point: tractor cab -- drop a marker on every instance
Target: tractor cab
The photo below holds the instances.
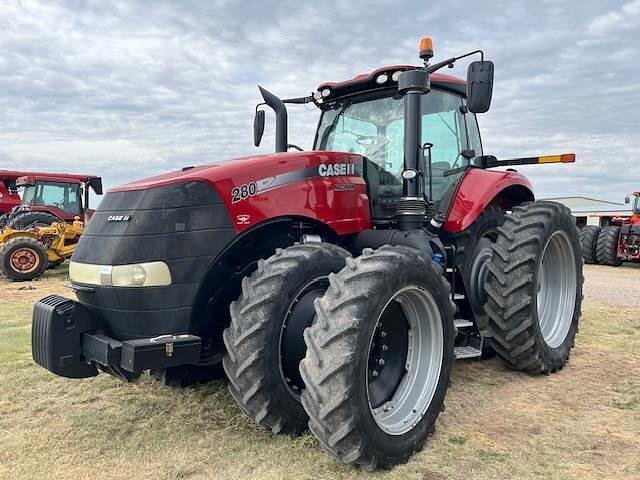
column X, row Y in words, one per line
column 634, row 200
column 64, row 195
column 47, row 198
column 636, row 207
column 366, row 115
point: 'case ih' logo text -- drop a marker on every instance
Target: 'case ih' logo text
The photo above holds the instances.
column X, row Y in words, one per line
column 336, row 169
column 118, row 218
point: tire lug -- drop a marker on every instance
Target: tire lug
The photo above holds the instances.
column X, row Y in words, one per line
column 381, row 361
column 383, row 334
column 385, row 348
column 374, row 373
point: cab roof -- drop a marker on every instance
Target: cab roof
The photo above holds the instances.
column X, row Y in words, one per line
column 26, row 178
column 366, row 82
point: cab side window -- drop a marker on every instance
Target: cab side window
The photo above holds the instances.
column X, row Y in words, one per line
column 474, row 134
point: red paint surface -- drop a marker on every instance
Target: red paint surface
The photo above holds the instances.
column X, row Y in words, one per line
column 477, row 189
column 435, row 77
column 7, row 200
column 15, row 174
column 345, row 211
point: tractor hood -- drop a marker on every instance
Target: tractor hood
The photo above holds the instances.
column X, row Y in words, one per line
column 185, row 219
column 238, row 171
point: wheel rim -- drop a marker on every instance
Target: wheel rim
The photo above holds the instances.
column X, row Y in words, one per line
column 399, row 404
column 556, row 289
column 292, row 349
column 24, row 260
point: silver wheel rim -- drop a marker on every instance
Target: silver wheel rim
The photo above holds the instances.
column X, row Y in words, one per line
column 556, row 289
column 425, row 349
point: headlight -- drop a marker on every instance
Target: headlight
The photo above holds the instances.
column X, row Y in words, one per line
column 150, row 274
column 382, row 78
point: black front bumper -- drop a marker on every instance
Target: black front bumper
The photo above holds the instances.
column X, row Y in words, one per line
column 67, row 340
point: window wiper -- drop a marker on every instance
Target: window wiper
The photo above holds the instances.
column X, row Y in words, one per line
column 327, row 132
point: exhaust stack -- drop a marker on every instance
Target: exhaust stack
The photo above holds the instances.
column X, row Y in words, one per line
column 412, row 84
column 277, row 105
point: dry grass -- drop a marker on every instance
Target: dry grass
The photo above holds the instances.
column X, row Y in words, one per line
column 581, row 423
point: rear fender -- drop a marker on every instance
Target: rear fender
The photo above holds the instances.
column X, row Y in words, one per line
column 9, row 234
column 480, row 188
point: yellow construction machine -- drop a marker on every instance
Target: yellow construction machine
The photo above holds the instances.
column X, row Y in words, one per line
column 26, row 254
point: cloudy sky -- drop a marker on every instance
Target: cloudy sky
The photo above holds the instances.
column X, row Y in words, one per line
column 134, row 88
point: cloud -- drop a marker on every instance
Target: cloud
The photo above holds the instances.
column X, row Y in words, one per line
column 131, row 89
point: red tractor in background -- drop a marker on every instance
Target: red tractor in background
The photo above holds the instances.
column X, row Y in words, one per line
column 46, row 198
column 617, row 243
column 337, row 286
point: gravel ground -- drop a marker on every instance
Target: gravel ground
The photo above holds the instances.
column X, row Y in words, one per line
column 612, row 285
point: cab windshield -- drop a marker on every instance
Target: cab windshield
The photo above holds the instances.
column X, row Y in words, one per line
column 374, row 128
column 637, row 205
column 65, row 196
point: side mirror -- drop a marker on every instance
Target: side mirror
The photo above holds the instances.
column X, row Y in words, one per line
column 258, row 127
column 479, row 86
column 627, row 199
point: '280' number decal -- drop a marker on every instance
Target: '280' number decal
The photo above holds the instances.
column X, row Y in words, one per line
column 243, row 192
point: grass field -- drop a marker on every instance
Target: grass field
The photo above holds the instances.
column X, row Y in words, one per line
column 581, row 423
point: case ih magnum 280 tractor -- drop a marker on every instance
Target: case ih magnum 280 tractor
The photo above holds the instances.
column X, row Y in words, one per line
column 614, row 244
column 336, row 285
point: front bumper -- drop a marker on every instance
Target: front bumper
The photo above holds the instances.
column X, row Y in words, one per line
column 68, row 340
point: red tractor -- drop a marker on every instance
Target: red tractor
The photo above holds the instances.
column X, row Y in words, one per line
column 614, row 244
column 46, row 198
column 337, row 285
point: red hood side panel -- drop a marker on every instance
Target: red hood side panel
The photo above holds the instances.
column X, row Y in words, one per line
column 325, row 186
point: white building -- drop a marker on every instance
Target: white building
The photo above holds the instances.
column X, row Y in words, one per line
column 590, row 211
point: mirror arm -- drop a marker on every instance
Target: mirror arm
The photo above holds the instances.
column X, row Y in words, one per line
column 299, row 100
column 450, row 61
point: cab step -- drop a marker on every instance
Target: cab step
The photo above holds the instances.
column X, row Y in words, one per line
column 466, row 352
column 462, row 323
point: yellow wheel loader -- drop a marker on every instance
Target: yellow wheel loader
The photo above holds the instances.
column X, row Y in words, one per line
column 26, row 254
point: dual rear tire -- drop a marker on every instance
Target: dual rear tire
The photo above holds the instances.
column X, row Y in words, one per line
column 534, row 288
column 600, row 245
column 369, row 374
column 607, row 246
column 588, row 242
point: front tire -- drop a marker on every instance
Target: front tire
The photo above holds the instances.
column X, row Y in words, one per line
column 23, row 259
column 379, row 357
column 264, row 341
column 534, row 288
column 589, row 240
column 607, row 246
